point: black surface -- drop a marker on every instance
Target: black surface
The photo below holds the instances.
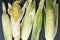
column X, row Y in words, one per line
column 42, row 36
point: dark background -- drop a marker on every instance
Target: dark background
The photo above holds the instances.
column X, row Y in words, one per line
column 42, row 35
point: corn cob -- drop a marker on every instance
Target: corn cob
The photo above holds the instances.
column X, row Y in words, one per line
column 28, row 20
column 6, row 24
column 51, row 24
column 37, row 22
column 15, row 13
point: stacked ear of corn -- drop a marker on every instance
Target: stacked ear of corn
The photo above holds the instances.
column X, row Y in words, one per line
column 6, row 24
column 37, row 22
column 51, row 23
column 27, row 21
column 15, row 14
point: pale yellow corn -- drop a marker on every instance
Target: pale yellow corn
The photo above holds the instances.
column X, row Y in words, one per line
column 15, row 13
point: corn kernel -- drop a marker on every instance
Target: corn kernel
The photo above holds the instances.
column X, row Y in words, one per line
column 15, row 13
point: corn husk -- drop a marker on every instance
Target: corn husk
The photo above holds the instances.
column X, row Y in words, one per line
column 6, row 24
column 28, row 20
column 37, row 22
column 51, row 20
column 14, row 12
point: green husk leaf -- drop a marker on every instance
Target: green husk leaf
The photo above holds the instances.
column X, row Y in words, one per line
column 56, row 20
column 37, row 22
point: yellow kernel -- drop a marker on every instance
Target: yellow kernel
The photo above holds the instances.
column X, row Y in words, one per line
column 15, row 13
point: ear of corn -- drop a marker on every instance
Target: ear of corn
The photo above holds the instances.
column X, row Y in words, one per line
column 51, row 20
column 6, row 24
column 28, row 21
column 37, row 22
column 14, row 12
